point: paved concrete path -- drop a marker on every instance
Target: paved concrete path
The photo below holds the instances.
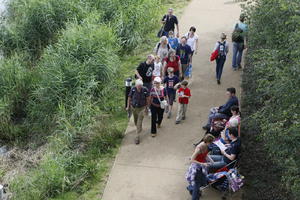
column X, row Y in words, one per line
column 155, row 169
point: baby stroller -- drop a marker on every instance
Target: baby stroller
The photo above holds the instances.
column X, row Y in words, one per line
column 226, row 180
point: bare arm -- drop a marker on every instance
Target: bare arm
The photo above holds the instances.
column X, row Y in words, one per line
column 180, row 69
column 138, row 74
column 177, row 28
column 128, row 103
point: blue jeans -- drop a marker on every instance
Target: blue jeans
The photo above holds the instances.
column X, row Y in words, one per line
column 238, row 49
column 219, row 67
column 213, row 115
column 200, row 180
column 218, row 161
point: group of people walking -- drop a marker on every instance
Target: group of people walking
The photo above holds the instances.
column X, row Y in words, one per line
column 163, row 78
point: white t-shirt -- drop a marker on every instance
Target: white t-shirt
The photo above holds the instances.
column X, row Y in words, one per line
column 157, row 69
column 191, row 41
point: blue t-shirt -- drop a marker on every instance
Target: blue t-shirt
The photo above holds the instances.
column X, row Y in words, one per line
column 170, row 83
column 173, row 42
column 184, row 52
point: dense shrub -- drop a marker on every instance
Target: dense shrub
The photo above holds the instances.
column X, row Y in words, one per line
column 85, row 57
column 31, row 25
column 271, row 86
column 16, row 83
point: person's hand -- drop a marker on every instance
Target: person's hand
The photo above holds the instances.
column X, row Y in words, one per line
column 223, row 152
column 127, row 108
column 146, row 110
column 245, row 46
column 177, row 35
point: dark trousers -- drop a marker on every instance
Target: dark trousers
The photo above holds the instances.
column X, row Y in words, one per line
column 157, row 115
column 219, row 66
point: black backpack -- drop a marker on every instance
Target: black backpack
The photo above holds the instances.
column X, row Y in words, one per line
column 237, row 34
column 222, row 48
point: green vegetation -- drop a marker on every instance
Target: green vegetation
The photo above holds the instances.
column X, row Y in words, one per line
column 271, row 101
column 63, row 63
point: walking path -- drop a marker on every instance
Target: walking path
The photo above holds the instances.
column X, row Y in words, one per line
column 155, row 169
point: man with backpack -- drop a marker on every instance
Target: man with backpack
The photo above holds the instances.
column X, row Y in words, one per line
column 223, row 48
column 169, row 21
column 239, row 42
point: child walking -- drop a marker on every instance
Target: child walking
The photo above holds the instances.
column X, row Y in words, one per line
column 184, row 94
column 170, row 81
column 157, row 72
column 223, row 49
column 173, row 41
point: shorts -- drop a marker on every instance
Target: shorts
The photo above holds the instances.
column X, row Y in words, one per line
column 172, row 96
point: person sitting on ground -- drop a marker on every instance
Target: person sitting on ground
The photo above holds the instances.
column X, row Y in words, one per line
column 138, row 101
column 162, row 48
column 170, row 81
column 184, row 94
column 233, row 122
column 223, row 111
column 169, row 20
column 158, row 69
column 184, row 51
column 173, row 41
column 144, row 71
column 230, row 154
column 199, row 160
column 172, row 61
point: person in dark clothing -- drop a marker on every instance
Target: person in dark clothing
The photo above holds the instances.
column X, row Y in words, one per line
column 170, row 21
column 230, row 154
column 184, row 51
column 144, row 72
column 223, row 111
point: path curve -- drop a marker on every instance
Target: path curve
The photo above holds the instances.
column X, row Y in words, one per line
column 155, row 169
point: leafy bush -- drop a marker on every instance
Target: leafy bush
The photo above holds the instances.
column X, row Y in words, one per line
column 16, row 83
column 84, row 57
column 272, row 86
column 33, row 24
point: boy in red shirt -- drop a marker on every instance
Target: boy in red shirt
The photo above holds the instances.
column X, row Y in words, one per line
column 184, row 93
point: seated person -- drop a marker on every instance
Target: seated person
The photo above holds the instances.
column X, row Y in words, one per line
column 230, row 154
column 233, row 122
column 195, row 175
column 224, row 110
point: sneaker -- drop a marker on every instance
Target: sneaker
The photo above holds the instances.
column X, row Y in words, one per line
column 177, row 122
column 219, row 82
column 153, row 135
column 239, row 66
column 158, row 125
column 234, row 69
column 183, row 118
column 137, row 140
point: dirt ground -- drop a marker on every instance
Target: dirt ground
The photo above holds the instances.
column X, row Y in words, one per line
column 155, row 169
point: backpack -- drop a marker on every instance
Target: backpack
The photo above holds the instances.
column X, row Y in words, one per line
column 237, row 34
column 158, row 45
column 222, row 49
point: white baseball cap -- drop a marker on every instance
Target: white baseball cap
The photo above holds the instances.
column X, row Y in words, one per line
column 157, row 79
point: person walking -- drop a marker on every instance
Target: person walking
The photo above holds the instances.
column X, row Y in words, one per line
column 239, row 42
column 158, row 99
column 158, row 69
column 184, row 51
column 172, row 61
column 192, row 41
column 170, row 21
column 170, row 81
column 162, row 48
column 138, row 101
column 144, row 71
column 223, row 48
column 184, row 94
column 173, row 41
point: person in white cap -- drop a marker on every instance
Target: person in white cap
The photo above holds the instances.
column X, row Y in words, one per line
column 158, row 101
column 138, row 101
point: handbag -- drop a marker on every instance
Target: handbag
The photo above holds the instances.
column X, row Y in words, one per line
column 163, row 104
column 160, row 32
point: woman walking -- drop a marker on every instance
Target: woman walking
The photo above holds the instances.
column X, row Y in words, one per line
column 192, row 41
column 158, row 99
column 173, row 61
column 223, row 48
column 162, row 48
